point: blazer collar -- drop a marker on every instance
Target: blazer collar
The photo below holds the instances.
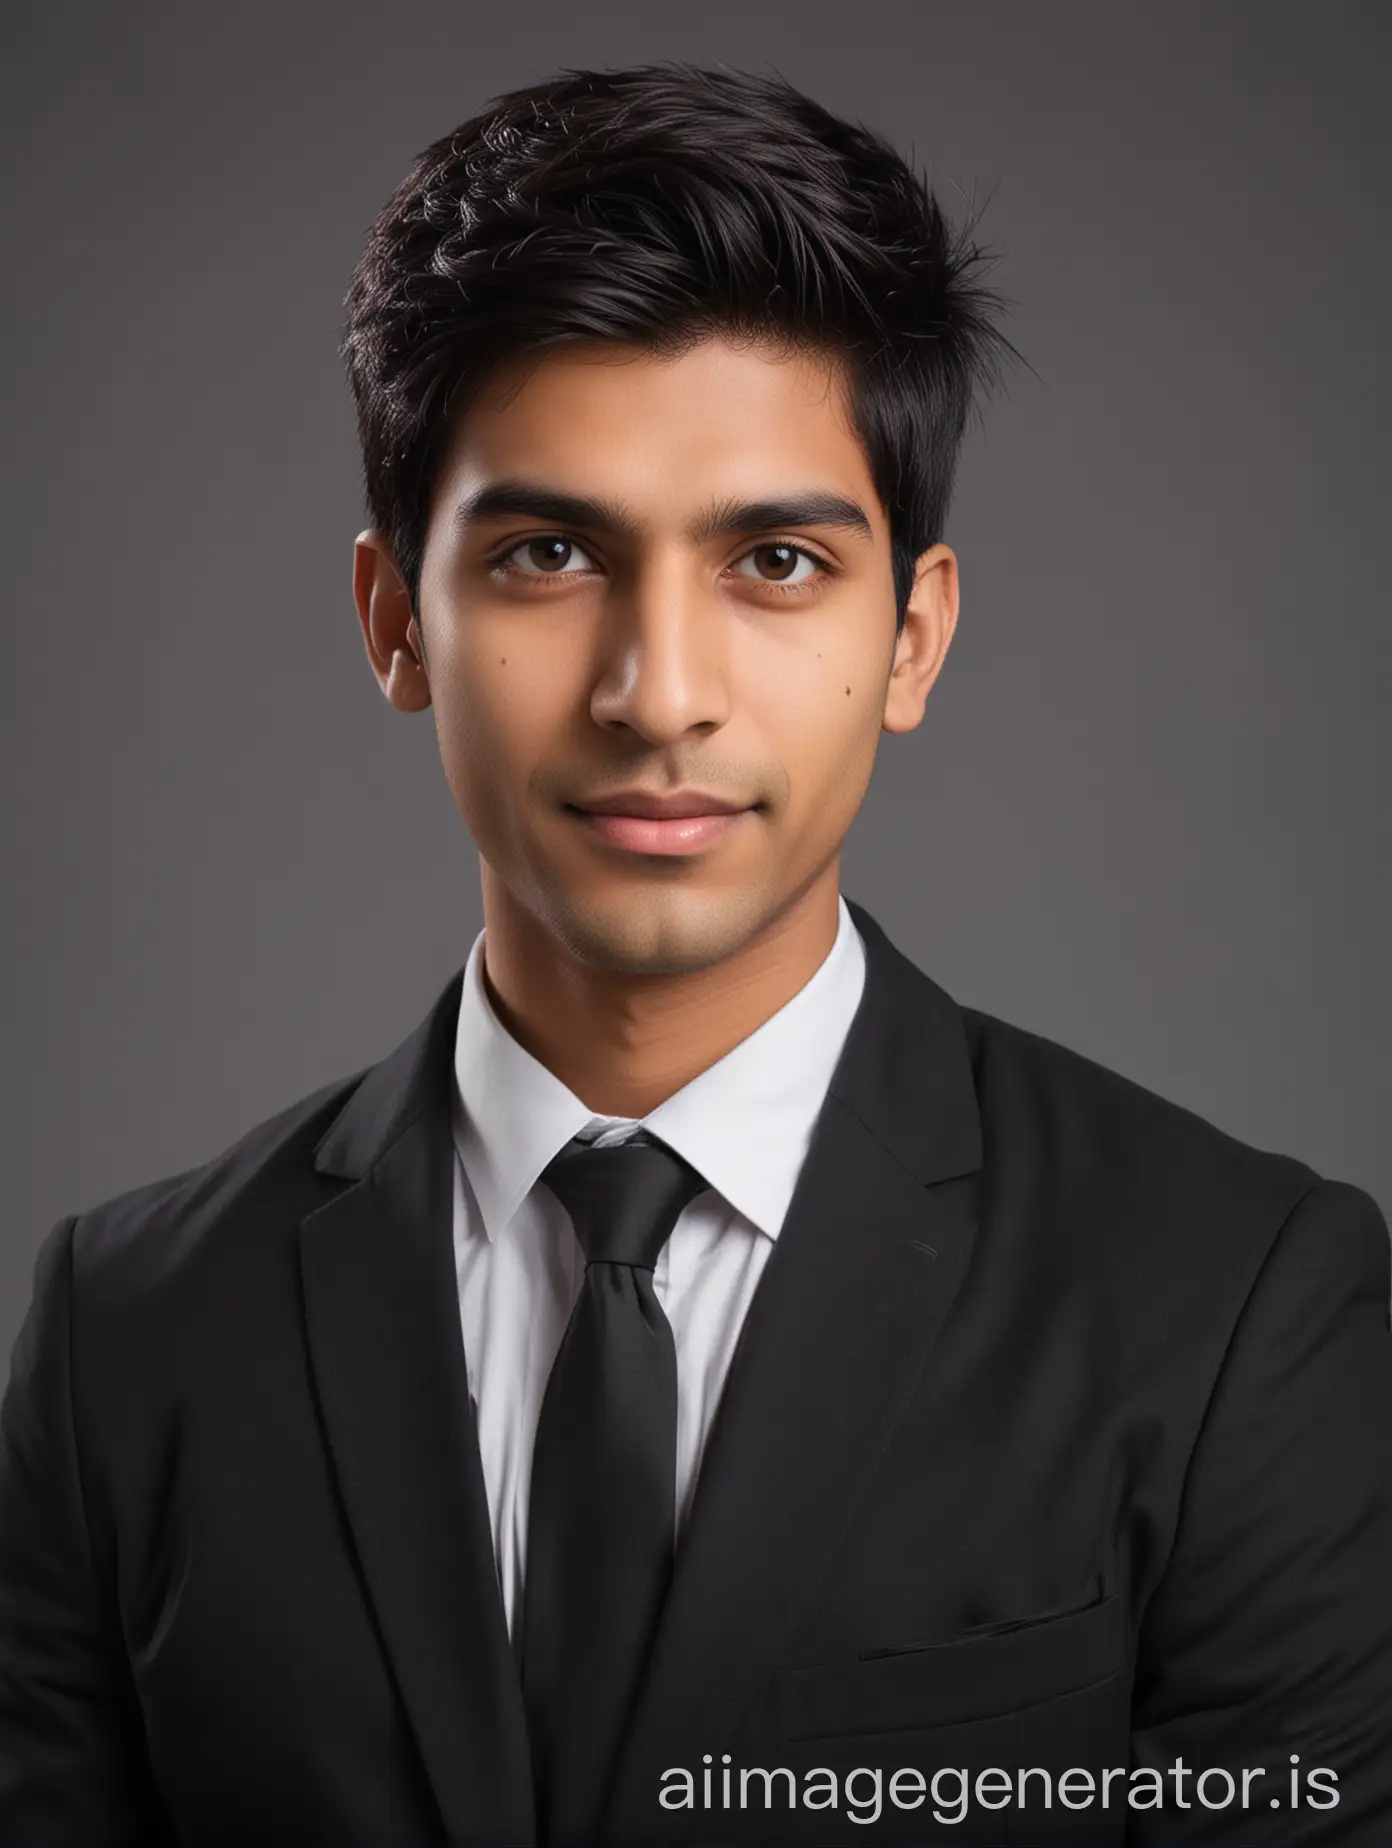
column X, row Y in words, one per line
column 906, row 1071
column 409, row 1083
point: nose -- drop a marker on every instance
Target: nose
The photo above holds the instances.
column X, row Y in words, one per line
column 663, row 668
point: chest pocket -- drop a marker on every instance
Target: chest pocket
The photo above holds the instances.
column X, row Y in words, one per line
column 956, row 1682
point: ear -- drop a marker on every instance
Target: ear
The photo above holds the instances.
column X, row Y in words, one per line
column 391, row 634
column 921, row 645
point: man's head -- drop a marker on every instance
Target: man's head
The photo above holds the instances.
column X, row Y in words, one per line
column 661, row 376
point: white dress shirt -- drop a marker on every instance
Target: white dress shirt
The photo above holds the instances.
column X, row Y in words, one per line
column 744, row 1123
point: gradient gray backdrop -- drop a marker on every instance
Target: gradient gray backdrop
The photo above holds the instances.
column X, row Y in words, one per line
column 1147, row 813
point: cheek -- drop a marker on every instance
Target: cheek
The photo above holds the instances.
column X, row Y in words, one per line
column 820, row 708
column 491, row 721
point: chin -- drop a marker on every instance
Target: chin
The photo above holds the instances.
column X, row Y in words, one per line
column 647, row 932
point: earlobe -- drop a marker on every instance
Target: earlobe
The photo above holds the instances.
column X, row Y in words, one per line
column 390, row 628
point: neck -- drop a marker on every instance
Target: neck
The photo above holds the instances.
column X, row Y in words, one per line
column 622, row 1042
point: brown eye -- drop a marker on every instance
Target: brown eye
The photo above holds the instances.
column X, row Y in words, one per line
column 549, row 555
column 780, row 563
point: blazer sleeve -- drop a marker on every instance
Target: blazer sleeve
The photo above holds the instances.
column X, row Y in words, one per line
column 72, row 1763
column 1269, row 1636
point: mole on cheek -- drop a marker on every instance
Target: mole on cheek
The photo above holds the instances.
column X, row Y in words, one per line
column 848, row 692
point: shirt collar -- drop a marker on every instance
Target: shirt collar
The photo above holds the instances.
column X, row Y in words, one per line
column 745, row 1122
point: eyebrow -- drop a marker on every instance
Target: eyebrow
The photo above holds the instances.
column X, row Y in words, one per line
column 723, row 519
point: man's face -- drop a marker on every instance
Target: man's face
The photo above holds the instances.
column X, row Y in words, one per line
column 717, row 617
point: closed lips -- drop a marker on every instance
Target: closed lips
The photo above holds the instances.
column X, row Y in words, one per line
column 677, row 807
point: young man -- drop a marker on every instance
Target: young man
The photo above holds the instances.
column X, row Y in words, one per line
column 705, row 1386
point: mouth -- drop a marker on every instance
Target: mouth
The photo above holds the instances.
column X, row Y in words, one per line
column 639, row 825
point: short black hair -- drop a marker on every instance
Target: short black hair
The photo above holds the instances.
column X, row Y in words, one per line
column 655, row 206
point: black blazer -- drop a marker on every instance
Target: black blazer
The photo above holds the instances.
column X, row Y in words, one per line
column 1059, row 1436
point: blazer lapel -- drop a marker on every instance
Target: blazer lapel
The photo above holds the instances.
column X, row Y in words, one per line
column 868, row 1262
column 381, row 1308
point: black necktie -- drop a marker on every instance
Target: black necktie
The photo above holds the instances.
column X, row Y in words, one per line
column 601, row 1527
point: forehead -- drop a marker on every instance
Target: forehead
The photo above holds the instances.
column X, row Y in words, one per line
column 664, row 432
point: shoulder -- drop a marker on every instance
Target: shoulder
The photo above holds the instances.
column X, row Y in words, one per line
column 1058, row 1105
column 1143, row 1192
column 132, row 1246
column 180, row 1252
column 1151, row 1221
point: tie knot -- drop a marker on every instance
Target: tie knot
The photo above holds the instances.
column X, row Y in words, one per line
column 624, row 1199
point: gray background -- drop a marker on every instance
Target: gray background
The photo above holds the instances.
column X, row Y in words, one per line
column 1147, row 811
